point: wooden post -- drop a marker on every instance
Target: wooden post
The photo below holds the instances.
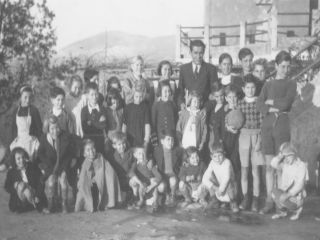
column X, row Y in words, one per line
column 207, row 42
column 273, row 28
column 178, row 43
column 243, row 32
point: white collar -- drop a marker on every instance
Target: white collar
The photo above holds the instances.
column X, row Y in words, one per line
column 250, row 100
column 226, row 80
column 57, row 112
column 50, row 140
column 90, row 108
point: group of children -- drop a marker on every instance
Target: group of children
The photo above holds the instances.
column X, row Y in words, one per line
column 100, row 150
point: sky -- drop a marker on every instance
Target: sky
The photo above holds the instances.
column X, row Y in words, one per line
column 79, row 19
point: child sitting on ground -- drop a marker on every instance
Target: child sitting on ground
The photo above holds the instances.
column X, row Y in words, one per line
column 23, row 183
column 98, row 185
column 168, row 159
column 192, row 125
column 190, row 176
column 250, row 144
column 219, row 181
column 291, row 193
column 65, row 120
column 150, row 180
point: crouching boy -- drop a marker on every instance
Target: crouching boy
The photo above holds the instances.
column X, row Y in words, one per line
column 219, row 181
column 148, row 182
column 190, row 176
column 168, row 159
column 291, row 192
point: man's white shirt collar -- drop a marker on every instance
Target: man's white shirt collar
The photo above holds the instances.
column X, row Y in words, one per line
column 194, row 67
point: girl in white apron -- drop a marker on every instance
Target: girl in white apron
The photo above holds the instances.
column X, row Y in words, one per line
column 26, row 134
column 24, row 140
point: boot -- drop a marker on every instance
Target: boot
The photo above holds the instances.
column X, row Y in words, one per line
column 269, row 206
column 214, row 202
column 245, row 202
column 50, row 205
column 187, row 197
column 255, row 204
column 234, row 206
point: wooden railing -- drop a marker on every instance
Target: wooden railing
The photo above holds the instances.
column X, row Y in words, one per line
column 239, row 33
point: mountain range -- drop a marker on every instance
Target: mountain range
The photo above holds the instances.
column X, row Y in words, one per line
column 122, row 45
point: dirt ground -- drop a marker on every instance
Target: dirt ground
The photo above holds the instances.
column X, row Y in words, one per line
column 171, row 225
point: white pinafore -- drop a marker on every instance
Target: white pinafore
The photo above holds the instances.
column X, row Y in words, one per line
column 24, row 139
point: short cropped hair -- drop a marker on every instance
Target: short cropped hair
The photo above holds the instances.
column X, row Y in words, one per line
column 261, row 62
column 86, row 142
column 197, row 43
column 249, row 78
column 56, row 91
column 92, row 86
column 118, row 137
column 215, row 148
column 224, row 56
column 282, row 56
column 161, row 64
column 89, row 73
column 244, row 52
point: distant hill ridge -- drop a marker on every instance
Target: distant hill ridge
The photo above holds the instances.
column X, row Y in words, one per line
column 123, row 45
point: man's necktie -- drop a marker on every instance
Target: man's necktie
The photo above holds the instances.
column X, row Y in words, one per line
column 196, row 72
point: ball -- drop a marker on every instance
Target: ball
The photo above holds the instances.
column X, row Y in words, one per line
column 235, row 119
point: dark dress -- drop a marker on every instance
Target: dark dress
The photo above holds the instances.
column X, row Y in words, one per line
column 34, row 176
column 135, row 118
column 164, row 116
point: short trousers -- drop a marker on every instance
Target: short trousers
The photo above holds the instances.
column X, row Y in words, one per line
column 250, row 148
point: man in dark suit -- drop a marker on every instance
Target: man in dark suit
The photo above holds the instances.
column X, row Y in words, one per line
column 196, row 75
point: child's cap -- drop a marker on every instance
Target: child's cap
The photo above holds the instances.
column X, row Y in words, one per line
column 287, row 149
column 166, row 132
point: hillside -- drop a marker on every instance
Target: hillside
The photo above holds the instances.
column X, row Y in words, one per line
column 123, row 45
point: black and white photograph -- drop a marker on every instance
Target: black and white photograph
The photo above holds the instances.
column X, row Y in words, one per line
column 159, row 120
